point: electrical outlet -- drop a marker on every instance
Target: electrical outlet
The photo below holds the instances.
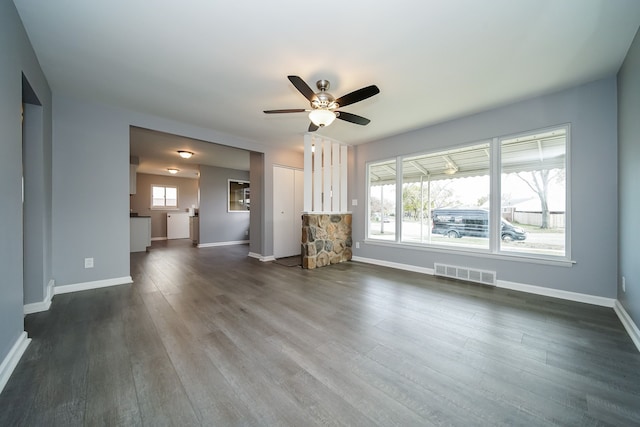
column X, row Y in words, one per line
column 88, row 263
column 354, row 202
column 246, row 232
column 624, row 284
column 357, row 245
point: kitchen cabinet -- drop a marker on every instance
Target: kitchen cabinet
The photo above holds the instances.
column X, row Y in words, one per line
column 140, row 233
column 194, row 229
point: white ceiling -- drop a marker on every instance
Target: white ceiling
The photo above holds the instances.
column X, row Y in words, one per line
column 219, row 64
column 158, row 151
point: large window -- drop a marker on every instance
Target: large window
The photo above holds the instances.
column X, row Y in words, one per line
column 164, row 197
column 443, row 202
column 382, row 200
column 506, row 195
column 534, row 192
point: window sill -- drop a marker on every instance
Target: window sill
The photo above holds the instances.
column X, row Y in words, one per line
column 527, row 258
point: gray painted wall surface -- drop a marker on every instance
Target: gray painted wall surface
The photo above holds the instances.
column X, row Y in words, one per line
column 256, row 229
column 629, row 178
column 36, row 209
column 90, row 193
column 91, row 150
column 17, row 58
column 216, row 224
column 591, row 111
column 141, row 201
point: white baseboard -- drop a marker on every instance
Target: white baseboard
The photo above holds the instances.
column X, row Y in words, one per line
column 397, row 265
column 153, row 239
column 538, row 290
column 260, row 257
column 64, row 289
column 211, row 245
column 556, row 293
column 627, row 322
column 44, row 305
column 11, row 361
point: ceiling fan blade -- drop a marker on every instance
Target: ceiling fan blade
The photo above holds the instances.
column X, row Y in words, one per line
column 358, row 95
column 313, row 127
column 290, row 110
column 302, row 87
column 353, row 118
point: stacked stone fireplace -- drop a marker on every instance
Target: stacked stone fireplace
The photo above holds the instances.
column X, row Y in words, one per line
column 326, row 239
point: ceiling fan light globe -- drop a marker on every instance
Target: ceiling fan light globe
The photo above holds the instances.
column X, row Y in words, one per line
column 322, row 117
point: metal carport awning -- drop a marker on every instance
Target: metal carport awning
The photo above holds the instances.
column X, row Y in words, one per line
column 535, row 152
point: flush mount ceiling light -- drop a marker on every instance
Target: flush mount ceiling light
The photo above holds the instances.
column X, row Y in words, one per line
column 185, row 154
column 173, row 171
column 322, row 117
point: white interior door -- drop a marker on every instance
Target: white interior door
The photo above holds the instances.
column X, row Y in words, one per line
column 287, row 209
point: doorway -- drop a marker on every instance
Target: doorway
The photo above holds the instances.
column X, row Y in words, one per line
column 36, row 202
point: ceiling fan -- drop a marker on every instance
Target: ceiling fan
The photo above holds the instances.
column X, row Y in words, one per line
column 324, row 107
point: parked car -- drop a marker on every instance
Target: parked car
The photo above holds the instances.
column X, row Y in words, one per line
column 457, row 223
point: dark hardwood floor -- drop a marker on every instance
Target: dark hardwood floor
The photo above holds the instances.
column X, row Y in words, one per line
column 212, row 337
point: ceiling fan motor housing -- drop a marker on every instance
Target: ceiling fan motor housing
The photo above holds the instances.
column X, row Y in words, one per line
column 323, row 99
column 324, row 106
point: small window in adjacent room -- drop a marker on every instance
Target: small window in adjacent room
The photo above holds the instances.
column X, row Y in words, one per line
column 164, row 197
column 239, row 196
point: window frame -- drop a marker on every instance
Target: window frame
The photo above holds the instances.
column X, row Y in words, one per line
column 495, row 212
column 164, row 207
column 246, row 191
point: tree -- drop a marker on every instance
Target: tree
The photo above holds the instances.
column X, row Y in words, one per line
column 411, row 200
column 539, row 181
column 441, row 197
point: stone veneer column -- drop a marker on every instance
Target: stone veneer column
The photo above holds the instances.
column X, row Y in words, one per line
column 326, row 239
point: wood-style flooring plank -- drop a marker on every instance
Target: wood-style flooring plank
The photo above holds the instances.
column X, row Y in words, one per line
column 212, row 337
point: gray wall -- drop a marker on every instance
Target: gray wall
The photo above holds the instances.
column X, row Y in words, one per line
column 91, row 185
column 629, row 178
column 90, row 192
column 141, row 201
column 591, row 110
column 256, row 177
column 36, row 154
column 17, row 58
column 216, row 224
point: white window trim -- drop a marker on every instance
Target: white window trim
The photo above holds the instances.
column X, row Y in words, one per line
column 165, row 208
column 241, row 181
column 494, row 251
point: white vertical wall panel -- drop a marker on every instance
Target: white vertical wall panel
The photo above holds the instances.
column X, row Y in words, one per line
column 326, row 173
column 335, row 177
column 308, row 173
column 317, row 177
column 343, row 179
